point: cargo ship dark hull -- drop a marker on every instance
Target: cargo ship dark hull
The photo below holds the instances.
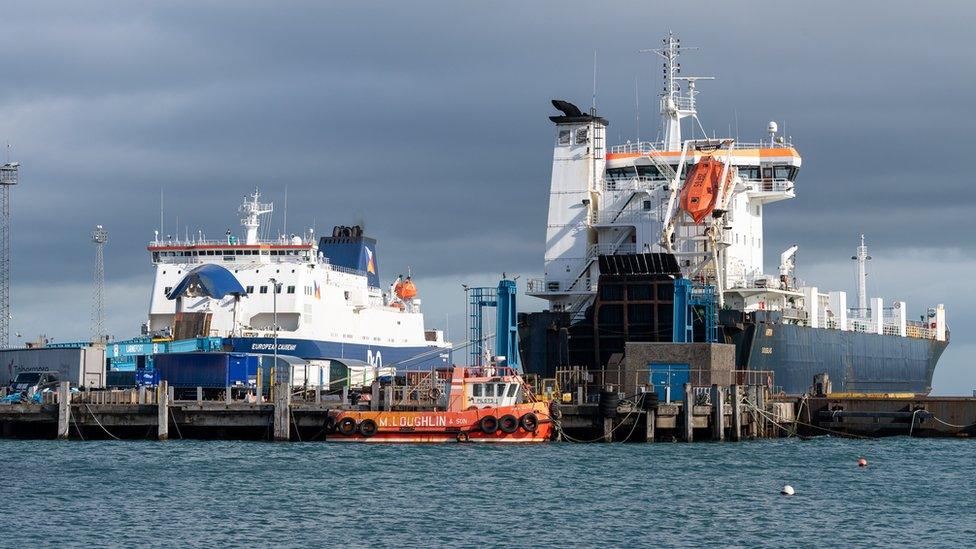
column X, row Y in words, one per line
column 635, row 300
column 855, row 361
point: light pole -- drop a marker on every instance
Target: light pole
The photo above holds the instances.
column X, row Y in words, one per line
column 274, row 305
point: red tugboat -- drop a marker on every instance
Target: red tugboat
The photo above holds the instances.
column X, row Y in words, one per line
column 482, row 404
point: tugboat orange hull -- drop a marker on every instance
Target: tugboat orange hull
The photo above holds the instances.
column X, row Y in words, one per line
column 702, row 188
column 445, row 426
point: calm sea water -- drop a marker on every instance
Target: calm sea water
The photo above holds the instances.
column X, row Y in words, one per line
column 914, row 493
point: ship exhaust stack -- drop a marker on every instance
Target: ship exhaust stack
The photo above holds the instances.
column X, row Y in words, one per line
column 578, row 167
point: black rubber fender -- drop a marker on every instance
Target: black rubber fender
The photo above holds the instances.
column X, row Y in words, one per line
column 489, row 424
column 368, row 427
column 529, row 422
column 347, row 426
column 508, row 423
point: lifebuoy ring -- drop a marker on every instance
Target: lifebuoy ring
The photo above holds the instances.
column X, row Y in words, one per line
column 367, row 428
column 489, row 424
column 462, row 437
column 529, row 422
column 347, row 426
column 508, row 423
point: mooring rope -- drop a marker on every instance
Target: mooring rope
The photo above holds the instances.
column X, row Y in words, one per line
column 99, row 422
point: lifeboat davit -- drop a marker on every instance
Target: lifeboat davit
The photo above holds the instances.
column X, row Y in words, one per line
column 703, row 186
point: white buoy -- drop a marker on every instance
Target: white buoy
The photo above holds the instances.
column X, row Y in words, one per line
column 787, row 490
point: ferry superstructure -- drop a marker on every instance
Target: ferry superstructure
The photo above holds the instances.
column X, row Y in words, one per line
column 323, row 294
column 624, row 199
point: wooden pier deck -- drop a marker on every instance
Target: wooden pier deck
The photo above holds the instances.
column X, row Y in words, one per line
column 713, row 413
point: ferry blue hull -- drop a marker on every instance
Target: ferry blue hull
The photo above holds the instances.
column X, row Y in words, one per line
column 403, row 358
column 855, row 361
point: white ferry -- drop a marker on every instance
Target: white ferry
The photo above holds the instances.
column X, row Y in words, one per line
column 312, row 298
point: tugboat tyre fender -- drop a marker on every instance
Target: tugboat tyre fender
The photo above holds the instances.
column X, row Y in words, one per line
column 489, row 424
column 529, row 422
column 347, row 426
column 367, row 428
column 508, row 423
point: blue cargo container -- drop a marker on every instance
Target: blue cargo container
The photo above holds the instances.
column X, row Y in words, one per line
column 207, row 370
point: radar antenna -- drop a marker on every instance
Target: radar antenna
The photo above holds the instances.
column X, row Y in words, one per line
column 252, row 211
column 674, row 105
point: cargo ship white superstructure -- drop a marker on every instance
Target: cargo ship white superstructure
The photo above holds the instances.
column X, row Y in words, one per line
column 627, row 199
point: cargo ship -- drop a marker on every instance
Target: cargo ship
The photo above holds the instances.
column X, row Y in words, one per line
column 626, row 221
column 298, row 295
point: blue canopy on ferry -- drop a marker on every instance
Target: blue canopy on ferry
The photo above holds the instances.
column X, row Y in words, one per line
column 210, row 281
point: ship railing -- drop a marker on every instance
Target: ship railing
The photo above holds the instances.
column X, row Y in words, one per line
column 557, row 287
column 629, row 215
column 891, row 329
column 919, row 330
column 771, row 185
column 645, row 147
column 862, row 325
column 584, row 385
column 633, row 183
column 791, row 313
column 226, row 242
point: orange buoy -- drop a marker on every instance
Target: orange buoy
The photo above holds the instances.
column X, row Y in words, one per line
column 861, row 462
column 702, row 189
column 406, row 289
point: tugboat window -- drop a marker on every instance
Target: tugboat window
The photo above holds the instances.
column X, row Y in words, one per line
column 476, row 390
column 500, row 390
column 512, row 389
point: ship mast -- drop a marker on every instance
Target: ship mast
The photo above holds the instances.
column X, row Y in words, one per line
column 253, row 210
column 674, row 106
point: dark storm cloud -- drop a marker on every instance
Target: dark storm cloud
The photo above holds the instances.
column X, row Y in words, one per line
column 429, row 121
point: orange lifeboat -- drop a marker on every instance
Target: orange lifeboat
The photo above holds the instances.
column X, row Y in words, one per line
column 406, row 289
column 702, row 188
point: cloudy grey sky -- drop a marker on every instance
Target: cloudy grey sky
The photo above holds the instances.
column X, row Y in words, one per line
column 427, row 120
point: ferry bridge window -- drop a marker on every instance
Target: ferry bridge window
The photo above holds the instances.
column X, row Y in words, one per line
column 749, row 172
column 582, row 135
column 767, row 173
column 783, row 172
column 563, row 137
column 264, row 289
